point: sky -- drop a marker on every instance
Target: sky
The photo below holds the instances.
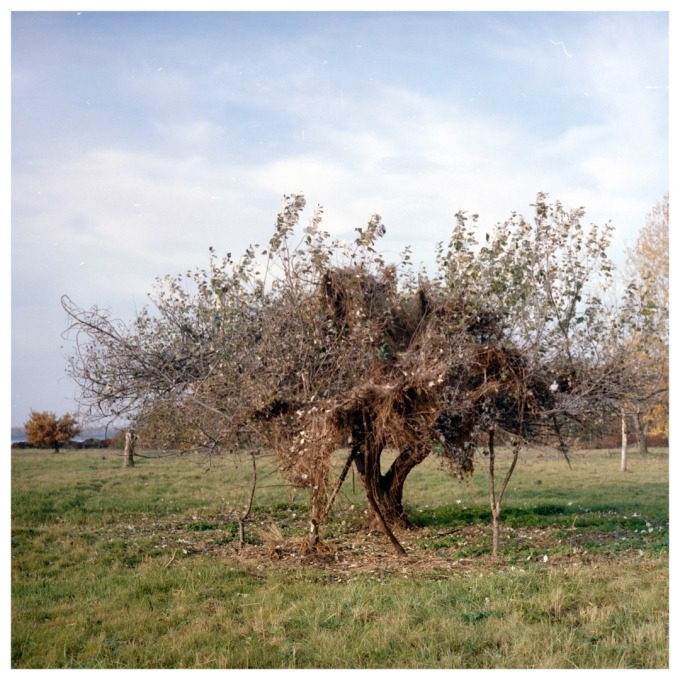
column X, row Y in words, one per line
column 141, row 139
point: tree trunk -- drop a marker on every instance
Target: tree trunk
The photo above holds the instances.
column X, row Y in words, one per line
column 493, row 503
column 383, row 525
column 388, row 489
column 383, row 492
column 392, row 484
column 640, row 431
column 496, row 497
column 249, row 504
column 495, row 530
column 624, row 441
column 129, row 453
column 313, row 537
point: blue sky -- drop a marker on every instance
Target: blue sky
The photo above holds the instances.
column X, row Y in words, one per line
column 141, row 139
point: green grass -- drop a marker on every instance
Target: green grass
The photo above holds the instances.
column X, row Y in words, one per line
column 141, row 568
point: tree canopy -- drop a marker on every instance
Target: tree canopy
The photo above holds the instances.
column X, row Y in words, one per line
column 648, row 268
column 43, row 429
column 310, row 344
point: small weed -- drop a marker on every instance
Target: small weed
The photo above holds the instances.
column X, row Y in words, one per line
column 472, row 617
column 201, row 526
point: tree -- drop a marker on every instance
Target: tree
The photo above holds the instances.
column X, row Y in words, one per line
column 311, row 345
column 129, row 450
column 648, row 267
column 43, row 429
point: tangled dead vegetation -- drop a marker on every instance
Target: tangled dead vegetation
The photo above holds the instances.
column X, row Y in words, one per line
column 361, row 553
column 428, row 375
column 309, row 348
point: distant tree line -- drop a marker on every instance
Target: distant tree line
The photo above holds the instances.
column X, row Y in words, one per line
column 71, row 444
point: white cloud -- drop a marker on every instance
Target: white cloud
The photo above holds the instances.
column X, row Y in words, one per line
column 200, row 147
column 197, row 133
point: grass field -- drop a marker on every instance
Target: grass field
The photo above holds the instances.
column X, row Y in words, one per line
column 141, row 568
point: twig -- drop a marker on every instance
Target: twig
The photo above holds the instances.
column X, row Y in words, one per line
column 249, row 505
column 381, row 521
column 343, row 475
column 172, row 559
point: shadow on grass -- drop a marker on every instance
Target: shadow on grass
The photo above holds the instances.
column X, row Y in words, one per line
column 454, row 515
column 604, row 517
